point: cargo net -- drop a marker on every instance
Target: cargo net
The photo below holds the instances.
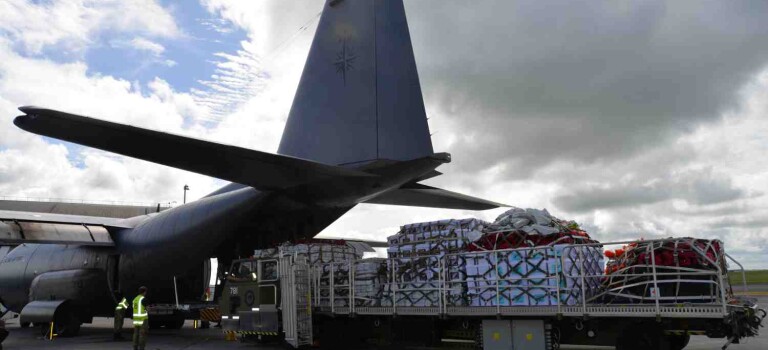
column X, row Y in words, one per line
column 367, row 282
column 541, row 259
column 686, row 270
column 313, row 251
column 416, row 255
column 321, row 255
column 535, row 276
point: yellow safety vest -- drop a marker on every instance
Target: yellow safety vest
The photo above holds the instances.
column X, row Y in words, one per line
column 139, row 312
column 122, row 305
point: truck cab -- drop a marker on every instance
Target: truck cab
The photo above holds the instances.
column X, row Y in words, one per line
column 250, row 298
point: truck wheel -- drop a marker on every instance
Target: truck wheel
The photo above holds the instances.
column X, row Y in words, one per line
column 154, row 323
column 175, row 323
column 678, row 342
column 642, row 337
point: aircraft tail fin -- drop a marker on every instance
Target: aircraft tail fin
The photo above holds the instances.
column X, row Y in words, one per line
column 359, row 98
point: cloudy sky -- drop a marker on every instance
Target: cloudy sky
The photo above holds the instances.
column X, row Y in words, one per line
column 637, row 119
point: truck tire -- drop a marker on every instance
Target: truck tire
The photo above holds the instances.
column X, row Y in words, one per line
column 154, row 323
column 174, row 323
column 167, row 322
column 678, row 342
column 642, row 337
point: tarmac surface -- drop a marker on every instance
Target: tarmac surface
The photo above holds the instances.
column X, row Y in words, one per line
column 98, row 336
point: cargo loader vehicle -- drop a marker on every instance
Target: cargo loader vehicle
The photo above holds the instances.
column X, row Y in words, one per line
column 477, row 299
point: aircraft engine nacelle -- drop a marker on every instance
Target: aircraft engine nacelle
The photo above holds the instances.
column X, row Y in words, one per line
column 83, row 288
column 56, row 272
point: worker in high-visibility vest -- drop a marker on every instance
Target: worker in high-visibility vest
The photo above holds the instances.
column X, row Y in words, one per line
column 140, row 320
column 3, row 333
column 120, row 315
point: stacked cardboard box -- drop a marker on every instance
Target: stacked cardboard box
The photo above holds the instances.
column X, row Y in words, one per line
column 435, row 238
column 313, row 252
column 417, row 253
column 527, row 258
column 370, row 281
column 532, row 276
column 321, row 255
column 578, row 261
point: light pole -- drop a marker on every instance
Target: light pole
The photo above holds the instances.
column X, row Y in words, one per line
column 186, row 188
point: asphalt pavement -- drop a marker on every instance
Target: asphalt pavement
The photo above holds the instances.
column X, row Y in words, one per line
column 98, row 336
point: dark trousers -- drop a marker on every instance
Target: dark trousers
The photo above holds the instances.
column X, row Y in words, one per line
column 119, row 316
column 3, row 335
column 140, row 335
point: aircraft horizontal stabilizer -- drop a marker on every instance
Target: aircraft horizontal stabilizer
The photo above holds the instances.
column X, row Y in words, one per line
column 418, row 195
column 260, row 170
column 365, row 243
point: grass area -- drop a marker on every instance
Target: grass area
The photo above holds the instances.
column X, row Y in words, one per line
column 753, row 276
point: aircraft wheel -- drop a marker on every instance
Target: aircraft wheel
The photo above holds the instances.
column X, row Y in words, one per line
column 66, row 324
column 25, row 324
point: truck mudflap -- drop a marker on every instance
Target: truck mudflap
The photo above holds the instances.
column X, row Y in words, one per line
column 744, row 321
column 259, row 321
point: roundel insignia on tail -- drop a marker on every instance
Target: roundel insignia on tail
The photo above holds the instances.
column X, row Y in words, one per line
column 345, row 58
column 359, row 98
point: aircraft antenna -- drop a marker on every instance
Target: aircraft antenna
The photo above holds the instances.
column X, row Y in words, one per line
column 280, row 47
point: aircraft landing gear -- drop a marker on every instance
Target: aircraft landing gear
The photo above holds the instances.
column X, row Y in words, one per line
column 65, row 324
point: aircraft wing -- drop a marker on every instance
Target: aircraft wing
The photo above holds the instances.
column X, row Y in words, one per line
column 418, row 195
column 261, row 170
column 17, row 227
column 116, row 210
column 360, row 244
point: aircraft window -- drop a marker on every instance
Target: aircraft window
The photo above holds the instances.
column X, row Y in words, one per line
column 269, row 270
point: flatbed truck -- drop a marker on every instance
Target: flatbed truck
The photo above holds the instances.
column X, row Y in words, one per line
column 285, row 299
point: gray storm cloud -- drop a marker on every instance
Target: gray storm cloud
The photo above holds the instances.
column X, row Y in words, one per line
column 546, row 81
column 696, row 187
column 588, row 109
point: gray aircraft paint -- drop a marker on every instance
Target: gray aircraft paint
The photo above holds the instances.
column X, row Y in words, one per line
column 360, row 90
column 359, row 104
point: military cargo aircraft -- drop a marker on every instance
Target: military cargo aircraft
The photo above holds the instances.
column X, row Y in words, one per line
column 356, row 133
